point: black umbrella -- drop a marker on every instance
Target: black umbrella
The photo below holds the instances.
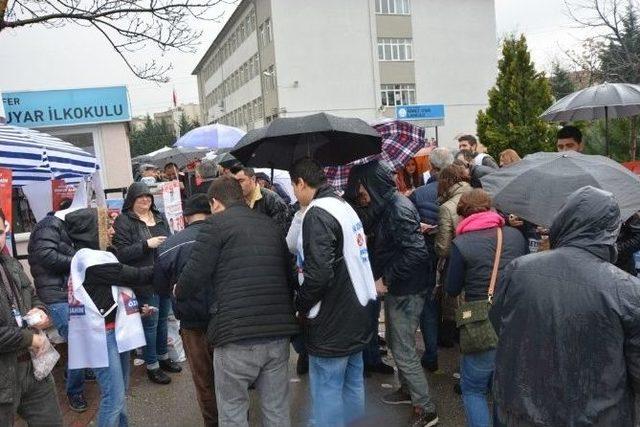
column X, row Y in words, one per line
column 330, row 140
column 536, row 187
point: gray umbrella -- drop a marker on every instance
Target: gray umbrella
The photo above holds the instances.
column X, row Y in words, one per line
column 608, row 100
column 536, row 187
column 178, row 155
column 330, row 140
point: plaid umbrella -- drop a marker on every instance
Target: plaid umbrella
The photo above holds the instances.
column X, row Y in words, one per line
column 400, row 142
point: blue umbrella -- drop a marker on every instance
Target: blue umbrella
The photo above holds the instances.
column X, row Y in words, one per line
column 212, row 137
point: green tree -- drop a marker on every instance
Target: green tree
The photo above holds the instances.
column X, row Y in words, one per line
column 152, row 136
column 185, row 125
column 520, row 95
column 561, row 83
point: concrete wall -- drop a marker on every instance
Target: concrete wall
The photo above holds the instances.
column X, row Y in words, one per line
column 327, row 47
column 455, row 52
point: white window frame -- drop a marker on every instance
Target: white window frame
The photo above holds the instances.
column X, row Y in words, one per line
column 393, row 7
column 389, row 49
column 400, row 92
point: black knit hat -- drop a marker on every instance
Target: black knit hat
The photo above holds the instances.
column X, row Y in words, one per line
column 197, row 203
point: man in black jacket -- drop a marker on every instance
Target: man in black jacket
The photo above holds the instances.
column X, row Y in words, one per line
column 241, row 257
column 193, row 311
column 402, row 266
column 568, row 325
column 50, row 252
column 20, row 393
column 336, row 297
column 263, row 200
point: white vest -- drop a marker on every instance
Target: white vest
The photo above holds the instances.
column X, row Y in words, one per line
column 354, row 249
column 87, row 333
column 479, row 158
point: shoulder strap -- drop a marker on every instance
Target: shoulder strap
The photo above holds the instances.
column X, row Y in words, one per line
column 496, row 264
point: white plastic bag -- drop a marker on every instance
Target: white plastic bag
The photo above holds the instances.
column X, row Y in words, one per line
column 45, row 360
column 174, row 342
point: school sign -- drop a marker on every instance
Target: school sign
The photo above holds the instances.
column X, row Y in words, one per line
column 71, row 107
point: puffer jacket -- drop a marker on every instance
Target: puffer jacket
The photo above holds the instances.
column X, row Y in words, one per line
column 448, row 218
column 242, row 258
column 568, row 325
column 50, row 252
column 132, row 234
column 342, row 326
column 13, row 339
column 425, row 199
column 173, row 255
column 400, row 252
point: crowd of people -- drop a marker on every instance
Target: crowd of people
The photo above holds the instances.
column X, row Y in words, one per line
column 553, row 335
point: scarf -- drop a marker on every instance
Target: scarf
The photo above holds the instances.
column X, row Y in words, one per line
column 479, row 221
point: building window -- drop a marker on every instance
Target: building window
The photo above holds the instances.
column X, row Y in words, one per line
column 264, row 33
column 398, row 94
column 395, row 49
column 393, row 7
column 269, row 79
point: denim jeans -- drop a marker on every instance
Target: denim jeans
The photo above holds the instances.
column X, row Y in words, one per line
column 60, row 317
column 371, row 352
column 476, row 371
column 113, row 382
column 337, row 389
column 402, row 316
column 429, row 327
column 263, row 362
column 155, row 330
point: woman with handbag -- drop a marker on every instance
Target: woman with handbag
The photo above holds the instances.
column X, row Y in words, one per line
column 482, row 248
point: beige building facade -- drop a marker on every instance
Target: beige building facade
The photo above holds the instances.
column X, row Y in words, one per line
column 358, row 58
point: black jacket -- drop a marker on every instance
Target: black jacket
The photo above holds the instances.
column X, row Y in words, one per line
column 400, row 252
column 471, row 259
column 568, row 325
column 343, row 326
column 242, row 257
column 83, row 230
column 50, row 253
column 132, row 234
column 629, row 243
column 192, row 311
column 13, row 339
column 274, row 207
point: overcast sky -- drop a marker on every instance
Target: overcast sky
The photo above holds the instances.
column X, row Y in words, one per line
column 39, row 58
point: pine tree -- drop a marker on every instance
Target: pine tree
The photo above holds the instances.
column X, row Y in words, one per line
column 520, row 95
column 185, row 125
column 561, row 83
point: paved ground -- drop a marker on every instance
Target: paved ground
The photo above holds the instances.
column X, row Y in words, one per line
column 175, row 405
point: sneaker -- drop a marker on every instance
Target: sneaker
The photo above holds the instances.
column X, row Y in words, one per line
column 302, row 366
column 381, row 368
column 398, row 397
column 157, row 376
column 169, row 365
column 429, row 366
column 89, row 375
column 77, row 402
column 422, row 418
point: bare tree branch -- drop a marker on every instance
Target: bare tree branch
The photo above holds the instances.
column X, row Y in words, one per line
column 128, row 25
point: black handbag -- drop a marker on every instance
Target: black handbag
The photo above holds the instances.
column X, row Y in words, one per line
column 472, row 318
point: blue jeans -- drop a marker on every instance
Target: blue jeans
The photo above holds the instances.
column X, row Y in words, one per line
column 476, row 371
column 113, row 382
column 337, row 389
column 60, row 317
column 371, row 352
column 155, row 330
column 429, row 327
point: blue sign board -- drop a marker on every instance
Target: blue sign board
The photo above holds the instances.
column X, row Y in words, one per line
column 70, row 107
column 420, row 112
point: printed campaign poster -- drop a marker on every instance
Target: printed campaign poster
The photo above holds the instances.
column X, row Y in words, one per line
column 172, row 203
column 114, row 207
column 6, row 206
column 61, row 194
